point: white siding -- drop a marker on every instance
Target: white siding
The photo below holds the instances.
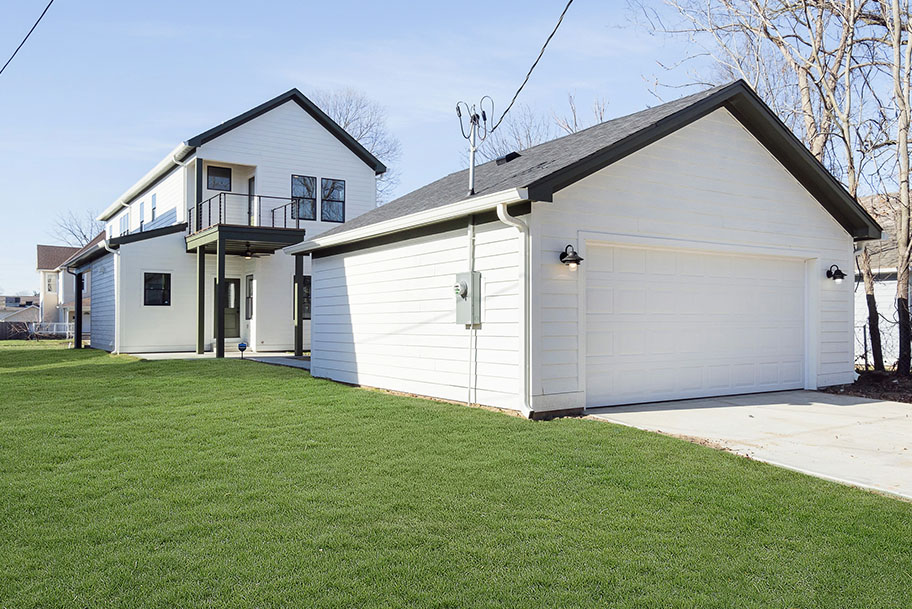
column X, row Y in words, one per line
column 287, row 141
column 102, row 311
column 386, row 317
column 710, row 184
column 169, row 203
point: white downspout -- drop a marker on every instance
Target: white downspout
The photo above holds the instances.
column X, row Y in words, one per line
column 525, row 397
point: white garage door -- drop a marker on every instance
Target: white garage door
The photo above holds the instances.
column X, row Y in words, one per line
column 666, row 324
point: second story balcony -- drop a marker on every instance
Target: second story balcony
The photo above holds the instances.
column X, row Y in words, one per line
column 241, row 209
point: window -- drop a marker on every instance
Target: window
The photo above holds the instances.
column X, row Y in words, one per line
column 304, row 198
column 306, row 301
column 332, row 208
column 153, row 208
column 157, row 289
column 51, row 282
column 218, row 178
column 125, row 224
column 142, row 214
column 248, row 299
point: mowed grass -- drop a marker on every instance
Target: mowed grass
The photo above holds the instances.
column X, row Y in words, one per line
column 126, row 483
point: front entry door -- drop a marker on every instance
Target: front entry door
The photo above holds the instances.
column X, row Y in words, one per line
column 232, row 307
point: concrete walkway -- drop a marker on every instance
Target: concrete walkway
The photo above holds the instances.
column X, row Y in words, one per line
column 866, row 443
column 278, row 359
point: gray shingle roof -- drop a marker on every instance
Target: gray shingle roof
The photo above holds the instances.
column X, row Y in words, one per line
column 534, row 164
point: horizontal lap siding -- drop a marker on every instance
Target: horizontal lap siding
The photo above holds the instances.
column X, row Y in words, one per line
column 102, row 309
column 385, row 317
column 710, row 181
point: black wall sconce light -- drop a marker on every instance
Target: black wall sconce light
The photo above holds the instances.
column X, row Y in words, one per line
column 835, row 274
column 570, row 257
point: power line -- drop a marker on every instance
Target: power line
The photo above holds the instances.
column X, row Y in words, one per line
column 27, row 36
column 537, row 59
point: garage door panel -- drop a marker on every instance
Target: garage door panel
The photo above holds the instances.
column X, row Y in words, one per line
column 716, row 325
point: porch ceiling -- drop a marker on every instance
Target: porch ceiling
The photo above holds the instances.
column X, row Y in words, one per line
column 239, row 239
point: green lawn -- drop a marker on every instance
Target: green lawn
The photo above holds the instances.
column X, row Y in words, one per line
column 126, row 483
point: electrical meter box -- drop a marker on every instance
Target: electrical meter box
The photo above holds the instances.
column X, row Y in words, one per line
column 468, row 298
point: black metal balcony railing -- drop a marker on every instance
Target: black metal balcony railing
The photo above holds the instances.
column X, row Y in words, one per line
column 243, row 209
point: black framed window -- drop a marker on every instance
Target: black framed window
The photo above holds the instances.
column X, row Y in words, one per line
column 304, row 197
column 306, row 301
column 142, row 214
column 218, row 178
column 332, row 205
column 157, row 289
column 153, row 208
column 125, row 224
column 248, row 297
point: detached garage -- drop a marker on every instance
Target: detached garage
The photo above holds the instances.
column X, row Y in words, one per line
column 692, row 249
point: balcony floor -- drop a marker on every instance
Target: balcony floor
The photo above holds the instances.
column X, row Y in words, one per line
column 240, row 239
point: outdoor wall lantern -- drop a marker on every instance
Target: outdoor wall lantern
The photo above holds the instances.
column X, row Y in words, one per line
column 835, row 274
column 570, row 257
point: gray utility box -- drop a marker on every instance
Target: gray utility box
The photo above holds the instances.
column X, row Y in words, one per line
column 468, row 298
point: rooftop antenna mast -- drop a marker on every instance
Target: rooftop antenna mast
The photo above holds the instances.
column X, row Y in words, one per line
column 477, row 131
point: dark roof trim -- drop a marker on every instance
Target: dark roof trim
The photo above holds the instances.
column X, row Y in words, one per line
column 318, row 115
column 517, row 209
column 739, row 99
column 149, row 234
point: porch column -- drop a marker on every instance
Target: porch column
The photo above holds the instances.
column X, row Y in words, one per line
column 77, row 331
column 220, row 298
column 299, row 305
column 200, row 300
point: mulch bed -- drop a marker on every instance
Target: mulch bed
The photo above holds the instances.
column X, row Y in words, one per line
column 877, row 386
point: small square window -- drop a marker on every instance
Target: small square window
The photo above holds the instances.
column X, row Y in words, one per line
column 332, row 206
column 157, row 289
column 218, row 178
column 304, row 198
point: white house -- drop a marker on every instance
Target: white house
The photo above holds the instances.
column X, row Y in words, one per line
column 706, row 232
column 57, row 291
column 206, row 225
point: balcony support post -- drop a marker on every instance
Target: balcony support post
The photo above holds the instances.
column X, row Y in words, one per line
column 199, row 193
column 220, row 298
column 201, row 300
column 299, row 305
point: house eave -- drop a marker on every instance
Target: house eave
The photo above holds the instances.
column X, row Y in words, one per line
column 174, row 158
column 459, row 209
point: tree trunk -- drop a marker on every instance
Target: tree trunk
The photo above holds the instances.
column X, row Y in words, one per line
column 873, row 317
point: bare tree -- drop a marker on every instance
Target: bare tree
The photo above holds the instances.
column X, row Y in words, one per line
column 76, row 229
column 572, row 122
column 365, row 120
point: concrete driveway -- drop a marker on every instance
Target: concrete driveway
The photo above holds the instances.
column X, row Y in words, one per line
column 866, row 443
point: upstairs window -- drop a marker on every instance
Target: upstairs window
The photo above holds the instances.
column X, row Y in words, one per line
column 153, row 208
column 304, row 198
column 51, row 282
column 218, row 178
column 142, row 214
column 157, row 289
column 332, row 207
column 125, row 224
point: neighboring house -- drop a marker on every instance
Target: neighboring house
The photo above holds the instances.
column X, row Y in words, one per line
column 883, row 265
column 19, row 301
column 57, row 286
column 26, row 313
column 207, row 224
column 706, row 231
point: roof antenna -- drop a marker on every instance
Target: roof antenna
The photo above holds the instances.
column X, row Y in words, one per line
column 477, row 131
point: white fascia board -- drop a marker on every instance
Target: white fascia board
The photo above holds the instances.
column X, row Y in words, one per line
column 421, row 218
column 156, row 172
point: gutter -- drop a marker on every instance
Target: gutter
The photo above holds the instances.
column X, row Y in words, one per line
column 525, row 356
column 459, row 209
column 180, row 151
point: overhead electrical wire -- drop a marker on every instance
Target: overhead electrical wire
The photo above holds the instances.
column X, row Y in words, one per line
column 27, row 36
column 537, row 59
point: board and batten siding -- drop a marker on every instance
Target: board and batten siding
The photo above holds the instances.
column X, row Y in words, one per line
column 385, row 317
column 709, row 185
column 288, row 141
column 102, row 307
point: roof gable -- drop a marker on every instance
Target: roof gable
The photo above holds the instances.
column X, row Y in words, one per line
column 52, row 256
column 308, row 106
column 551, row 166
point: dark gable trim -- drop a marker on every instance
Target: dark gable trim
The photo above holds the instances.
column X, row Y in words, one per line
column 308, row 106
column 517, row 209
column 739, row 99
column 150, row 234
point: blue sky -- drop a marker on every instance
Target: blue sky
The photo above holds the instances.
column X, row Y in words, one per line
column 103, row 90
